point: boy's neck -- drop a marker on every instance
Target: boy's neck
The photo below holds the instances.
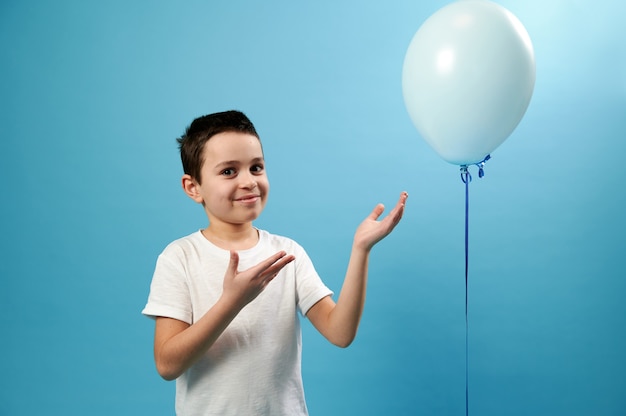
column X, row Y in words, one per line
column 232, row 238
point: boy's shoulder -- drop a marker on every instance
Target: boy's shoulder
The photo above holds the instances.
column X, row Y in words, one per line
column 186, row 243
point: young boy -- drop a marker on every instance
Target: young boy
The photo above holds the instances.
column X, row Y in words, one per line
column 226, row 298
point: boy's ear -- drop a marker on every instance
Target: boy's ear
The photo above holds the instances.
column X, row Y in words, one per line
column 190, row 186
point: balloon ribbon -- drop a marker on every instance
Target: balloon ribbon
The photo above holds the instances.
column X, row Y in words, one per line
column 466, row 177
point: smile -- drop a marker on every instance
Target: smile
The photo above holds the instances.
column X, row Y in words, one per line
column 248, row 199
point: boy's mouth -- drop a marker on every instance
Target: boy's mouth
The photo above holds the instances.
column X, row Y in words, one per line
column 248, row 198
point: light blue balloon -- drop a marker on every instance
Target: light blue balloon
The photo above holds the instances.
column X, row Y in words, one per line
column 467, row 79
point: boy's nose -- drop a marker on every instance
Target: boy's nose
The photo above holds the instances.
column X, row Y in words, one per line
column 249, row 183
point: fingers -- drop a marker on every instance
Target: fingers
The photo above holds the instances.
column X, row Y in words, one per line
column 271, row 262
column 397, row 211
column 272, row 271
column 269, row 268
column 404, row 195
column 402, row 200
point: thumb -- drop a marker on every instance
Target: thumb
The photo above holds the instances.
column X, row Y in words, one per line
column 376, row 212
column 233, row 264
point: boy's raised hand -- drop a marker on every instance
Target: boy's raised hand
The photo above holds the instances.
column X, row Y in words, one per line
column 243, row 287
column 371, row 231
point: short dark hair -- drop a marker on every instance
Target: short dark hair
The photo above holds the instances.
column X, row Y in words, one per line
column 191, row 144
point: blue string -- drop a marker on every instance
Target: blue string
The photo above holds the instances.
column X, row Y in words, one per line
column 466, row 177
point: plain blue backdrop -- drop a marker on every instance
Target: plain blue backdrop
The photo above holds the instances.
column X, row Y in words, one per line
column 93, row 95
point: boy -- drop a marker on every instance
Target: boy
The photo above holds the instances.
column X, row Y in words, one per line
column 225, row 298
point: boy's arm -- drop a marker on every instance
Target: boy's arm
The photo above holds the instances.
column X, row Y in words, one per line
column 178, row 345
column 338, row 322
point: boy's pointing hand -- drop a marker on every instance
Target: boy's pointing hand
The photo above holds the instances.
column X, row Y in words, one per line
column 243, row 287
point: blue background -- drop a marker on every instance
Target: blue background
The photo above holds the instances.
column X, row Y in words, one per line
column 93, row 95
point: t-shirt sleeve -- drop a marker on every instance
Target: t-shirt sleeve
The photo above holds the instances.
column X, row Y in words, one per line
column 169, row 292
column 309, row 285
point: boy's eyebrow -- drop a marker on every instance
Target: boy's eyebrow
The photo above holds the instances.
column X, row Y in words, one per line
column 237, row 162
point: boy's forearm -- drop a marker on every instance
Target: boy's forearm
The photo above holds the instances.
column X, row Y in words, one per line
column 346, row 316
column 176, row 354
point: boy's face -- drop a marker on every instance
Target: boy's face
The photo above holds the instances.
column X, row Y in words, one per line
column 234, row 185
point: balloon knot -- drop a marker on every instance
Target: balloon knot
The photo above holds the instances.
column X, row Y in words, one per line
column 481, row 165
column 466, row 177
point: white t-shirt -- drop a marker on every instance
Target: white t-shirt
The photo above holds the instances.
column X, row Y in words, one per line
column 254, row 366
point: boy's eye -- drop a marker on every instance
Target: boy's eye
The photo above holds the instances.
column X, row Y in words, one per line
column 256, row 168
column 228, row 172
